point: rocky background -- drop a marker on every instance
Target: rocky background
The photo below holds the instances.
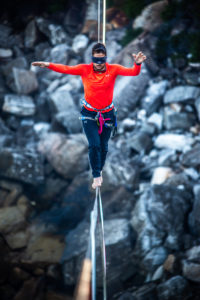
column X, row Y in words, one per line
column 151, row 189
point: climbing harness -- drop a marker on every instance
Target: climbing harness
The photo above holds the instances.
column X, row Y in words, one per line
column 100, row 119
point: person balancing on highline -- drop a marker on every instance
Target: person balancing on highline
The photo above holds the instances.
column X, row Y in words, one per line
column 98, row 79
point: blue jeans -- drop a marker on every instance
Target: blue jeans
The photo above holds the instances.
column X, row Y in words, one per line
column 97, row 143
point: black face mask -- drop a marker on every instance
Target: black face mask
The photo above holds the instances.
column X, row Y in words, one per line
column 99, row 60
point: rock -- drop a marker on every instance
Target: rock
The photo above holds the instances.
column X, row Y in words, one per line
column 116, row 34
column 5, row 32
column 5, row 53
column 74, row 18
column 158, row 273
column 44, row 249
column 29, row 289
column 169, row 264
column 67, row 155
column 178, row 120
column 153, row 99
column 116, row 17
column 80, row 43
column 60, row 54
column 55, row 33
column 148, row 237
column 197, row 106
column 41, row 128
column 24, row 82
column 173, row 141
column 11, row 219
column 117, row 240
column 31, row 35
column 192, row 77
column 130, row 89
column 146, row 292
column 191, row 265
column 156, row 119
column 61, row 101
column 75, row 203
column 20, row 164
column 160, row 174
column 140, row 142
column 11, row 191
column 191, row 158
column 7, row 70
column 193, row 219
column 150, row 18
column 42, row 53
column 70, row 121
column 155, row 258
column 181, row 93
column 17, row 240
column 174, row 288
column 19, row 105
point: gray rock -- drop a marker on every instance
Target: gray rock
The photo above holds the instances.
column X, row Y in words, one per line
column 5, row 53
column 140, row 142
column 70, row 120
column 173, row 141
column 167, row 208
column 118, row 249
column 61, row 101
column 191, row 270
column 150, row 18
column 31, row 34
column 193, row 219
column 11, row 219
column 80, row 43
column 20, row 164
column 19, row 62
column 128, row 91
column 153, row 99
column 191, row 265
column 178, row 120
column 197, row 106
column 181, row 93
column 19, row 105
column 67, row 154
column 60, row 54
column 116, row 34
column 4, row 35
column 25, row 81
column 43, row 52
column 176, row 288
column 148, row 237
column 191, row 158
column 55, row 33
column 192, row 77
column 155, row 258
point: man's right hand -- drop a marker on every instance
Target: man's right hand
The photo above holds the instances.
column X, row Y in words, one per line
column 41, row 64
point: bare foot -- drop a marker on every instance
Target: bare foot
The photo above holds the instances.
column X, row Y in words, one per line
column 96, row 182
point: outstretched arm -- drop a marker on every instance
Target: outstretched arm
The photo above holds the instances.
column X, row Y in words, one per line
column 73, row 70
column 135, row 70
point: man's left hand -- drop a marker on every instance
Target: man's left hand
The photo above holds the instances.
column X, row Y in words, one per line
column 139, row 58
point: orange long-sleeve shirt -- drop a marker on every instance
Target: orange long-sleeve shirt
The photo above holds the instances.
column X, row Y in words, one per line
column 98, row 87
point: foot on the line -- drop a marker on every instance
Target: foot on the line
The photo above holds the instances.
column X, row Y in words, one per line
column 96, row 182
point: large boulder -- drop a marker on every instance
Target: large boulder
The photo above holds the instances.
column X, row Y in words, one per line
column 67, row 154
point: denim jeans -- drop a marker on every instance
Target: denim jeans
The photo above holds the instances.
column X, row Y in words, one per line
column 97, row 143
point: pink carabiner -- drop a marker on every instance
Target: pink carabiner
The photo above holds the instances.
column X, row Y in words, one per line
column 101, row 122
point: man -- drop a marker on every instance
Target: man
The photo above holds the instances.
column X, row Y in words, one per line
column 98, row 79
